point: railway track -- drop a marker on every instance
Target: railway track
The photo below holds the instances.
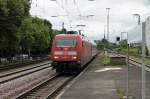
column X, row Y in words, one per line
column 136, row 63
column 51, row 87
column 139, row 64
column 17, row 73
column 47, row 89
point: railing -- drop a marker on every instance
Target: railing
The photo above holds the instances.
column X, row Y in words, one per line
column 11, row 62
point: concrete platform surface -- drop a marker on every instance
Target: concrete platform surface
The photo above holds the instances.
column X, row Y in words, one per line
column 98, row 82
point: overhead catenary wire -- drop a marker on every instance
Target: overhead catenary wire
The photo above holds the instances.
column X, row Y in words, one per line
column 75, row 3
column 35, row 3
column 64, row 5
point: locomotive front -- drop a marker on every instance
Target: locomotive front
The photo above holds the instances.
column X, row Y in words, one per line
column 66, row 54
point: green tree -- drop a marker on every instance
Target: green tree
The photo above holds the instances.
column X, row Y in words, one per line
column 12, row 13
column 26, row 35
column 35, row 35
column 3, row 14
column 47, row 23
column 101, row 44
column 42, row 36
column 123, row 43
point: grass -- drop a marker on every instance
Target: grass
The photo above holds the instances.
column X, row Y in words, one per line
column 104, row 60
column 119, row 91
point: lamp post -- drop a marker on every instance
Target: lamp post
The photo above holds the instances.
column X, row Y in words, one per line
column 143, row 90
column 139, row 18
column 108, row 9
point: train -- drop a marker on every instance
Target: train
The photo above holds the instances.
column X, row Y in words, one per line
column 70, row 52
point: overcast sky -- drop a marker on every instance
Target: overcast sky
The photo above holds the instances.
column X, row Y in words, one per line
column 74, row 12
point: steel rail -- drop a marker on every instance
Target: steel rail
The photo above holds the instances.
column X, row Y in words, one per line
column 19, row 75
column 47, row 88
column 19, row 71
column 135, row 61
column 57, row 90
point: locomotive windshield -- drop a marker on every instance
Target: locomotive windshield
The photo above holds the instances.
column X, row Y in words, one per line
column 66, row 43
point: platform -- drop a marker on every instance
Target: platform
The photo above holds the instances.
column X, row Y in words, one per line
column 97, row 82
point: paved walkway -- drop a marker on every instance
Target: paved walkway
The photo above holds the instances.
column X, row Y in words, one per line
column 98, row 82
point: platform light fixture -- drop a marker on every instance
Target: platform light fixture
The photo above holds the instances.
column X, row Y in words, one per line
column 91, row 0
column 54, row 16
column 81, row 25
column 139, row 18
column 90, row 16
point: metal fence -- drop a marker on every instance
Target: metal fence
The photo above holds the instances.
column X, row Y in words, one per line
column 6, row 62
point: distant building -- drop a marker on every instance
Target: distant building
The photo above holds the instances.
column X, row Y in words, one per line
column 135, row 35
column 147, row 31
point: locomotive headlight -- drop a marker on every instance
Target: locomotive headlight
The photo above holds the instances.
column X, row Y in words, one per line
column 55, row 57
column 58, row 53
column 74, row 57
column 72, row 53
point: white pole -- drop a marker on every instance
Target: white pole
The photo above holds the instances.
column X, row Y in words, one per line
column 127, row 90
column 108, row 23
column 143, row 91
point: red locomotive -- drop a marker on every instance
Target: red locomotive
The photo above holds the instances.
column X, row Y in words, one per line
column 70, row 52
